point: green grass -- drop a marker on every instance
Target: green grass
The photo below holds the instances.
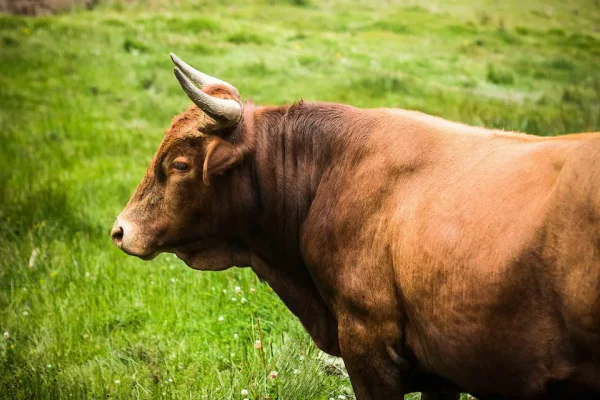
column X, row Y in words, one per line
column 85, row 98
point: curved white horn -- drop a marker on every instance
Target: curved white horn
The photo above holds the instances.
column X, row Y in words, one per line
column 225, row 111
column 199, row 78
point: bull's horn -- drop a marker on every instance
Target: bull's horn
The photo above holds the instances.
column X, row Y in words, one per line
column 227, row 112
column 200, row 78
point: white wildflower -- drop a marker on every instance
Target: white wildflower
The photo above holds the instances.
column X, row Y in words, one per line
column 6, row 335
column 244, row 392
column 170, row 380
column 118, row 382
column 33, row 257
column 238, row 289
column 49, row 366
column 233, row 299
column 258, row 344
column 224, row 291
column 244, row 300
column 25, row 313
column 235, row 336
column 221, row 318
column 252, row 290
column 296, row 371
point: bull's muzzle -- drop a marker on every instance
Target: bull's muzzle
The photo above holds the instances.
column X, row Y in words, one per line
column 125, row 238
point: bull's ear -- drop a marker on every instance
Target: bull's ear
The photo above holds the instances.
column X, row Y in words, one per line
column 221, row 156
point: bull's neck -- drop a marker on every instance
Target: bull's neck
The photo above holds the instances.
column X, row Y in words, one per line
column 294, row 147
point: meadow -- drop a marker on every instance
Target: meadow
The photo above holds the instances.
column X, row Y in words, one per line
column 85, row 97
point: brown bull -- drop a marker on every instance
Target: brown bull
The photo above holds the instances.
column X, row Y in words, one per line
column 432, row 256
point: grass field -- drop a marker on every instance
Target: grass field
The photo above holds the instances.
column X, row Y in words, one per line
column 85, row 98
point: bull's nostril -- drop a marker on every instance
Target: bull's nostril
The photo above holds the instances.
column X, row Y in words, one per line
column 117, row 234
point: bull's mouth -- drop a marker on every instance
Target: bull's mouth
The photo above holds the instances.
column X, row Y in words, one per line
column 144, row 256
column 149, row 257
column 183, row 250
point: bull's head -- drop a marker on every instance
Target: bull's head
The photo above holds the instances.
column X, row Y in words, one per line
column 175, row 208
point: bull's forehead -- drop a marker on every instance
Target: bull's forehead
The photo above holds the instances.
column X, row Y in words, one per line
column 183, row 133
column 189, row 123
column 184, row 129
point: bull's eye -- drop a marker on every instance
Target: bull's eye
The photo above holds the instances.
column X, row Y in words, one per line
column 180, row 164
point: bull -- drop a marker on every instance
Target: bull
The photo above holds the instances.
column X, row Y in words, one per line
column 430, row 255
